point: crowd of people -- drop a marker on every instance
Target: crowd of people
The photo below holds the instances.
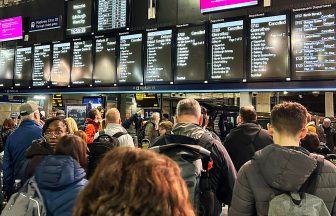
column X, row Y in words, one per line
column 187, row 169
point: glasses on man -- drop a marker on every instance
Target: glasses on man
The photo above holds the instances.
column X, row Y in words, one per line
column 53, row 133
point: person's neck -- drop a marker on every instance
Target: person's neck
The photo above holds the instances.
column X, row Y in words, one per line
column 285, row 140
column 186, row 119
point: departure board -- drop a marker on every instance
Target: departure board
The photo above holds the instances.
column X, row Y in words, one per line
column 81, row 73
column 105, row 71
column 227, row 51
column 269, row 47
column 159, row 61
column 112, row 14
column 190, row 55
column 314, row 43
column 41, row 66
column 23, row 67
column 79, row 17
column 130, row 61
column 60, row 71
column 6, row 67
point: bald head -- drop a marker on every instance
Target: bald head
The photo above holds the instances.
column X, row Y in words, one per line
column 248, row 114
column 113, row 116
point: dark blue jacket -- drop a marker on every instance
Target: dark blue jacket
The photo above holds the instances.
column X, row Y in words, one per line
column 16, row 145
column 60, row 178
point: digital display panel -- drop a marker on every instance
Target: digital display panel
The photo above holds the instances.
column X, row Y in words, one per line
column 227, row 50
column 41, row 66
column 105, row 71
column 314, row 43
column 79, row 17
column 11, row 29
column 60, row 71
column 23, row 67
column 81, row 73
column 112, row 14
column 144, row 100
column 217, row 5
column 159, row 60
column 269, row 47
column 6, row 67
column 190, row 54
column 130, row 61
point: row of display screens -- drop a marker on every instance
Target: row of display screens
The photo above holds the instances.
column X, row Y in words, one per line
column 180, row 55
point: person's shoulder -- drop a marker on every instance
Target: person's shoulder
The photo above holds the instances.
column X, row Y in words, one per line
column 329, row 167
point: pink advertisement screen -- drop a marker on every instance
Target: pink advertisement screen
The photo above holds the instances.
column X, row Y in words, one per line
column 11, row 29
column 216, row 5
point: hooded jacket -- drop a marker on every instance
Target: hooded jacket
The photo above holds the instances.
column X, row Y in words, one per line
column 244, row 140
column 60, row 178
column 125, row 140
column 91, row 129
column 274, row 170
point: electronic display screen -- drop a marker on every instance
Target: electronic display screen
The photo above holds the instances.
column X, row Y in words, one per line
column 105, row 70
column 217, row 5
column 159, row 60
column 190, row 55
column 93, row 102
column 23, row 67
column 112, row 14
column 130, row 60
column 79, row 17
column 81, row 73
column 6, row 67
column 314, row 43
column 269, row 47
column 144, row 100
column 60, row 71
column 11, row 29
column 41, row 66
column 227, row 51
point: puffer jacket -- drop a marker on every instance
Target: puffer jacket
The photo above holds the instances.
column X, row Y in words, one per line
column 91, row 129
column 60, row 178
column 274, row 170
column 125, row 140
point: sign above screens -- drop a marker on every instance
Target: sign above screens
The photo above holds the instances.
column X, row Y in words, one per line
column 6, row 67
column 112, row 14
column 79, row 17
column 43, row 24
column 269, row 52
column 217, row 5
column 11, row 29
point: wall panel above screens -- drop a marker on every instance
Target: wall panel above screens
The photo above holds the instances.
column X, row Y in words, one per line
column 190, row 62
column 79, row 17
column 23, row 67
column 130, row 70
column 6, row 67
column 268, row 46
column 60, row 72
column 105, row 70
column 112, row 14
column 41, row 66
column 81, row 72
column 227, row 51
column 314, row 44
column 159, row 57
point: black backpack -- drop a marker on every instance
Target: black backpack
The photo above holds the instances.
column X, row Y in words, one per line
column 141, row 131
column 100, row 146
column 193, row 161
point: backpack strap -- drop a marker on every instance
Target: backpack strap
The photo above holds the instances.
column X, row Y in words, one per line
column 310, row 184
column 119, row 134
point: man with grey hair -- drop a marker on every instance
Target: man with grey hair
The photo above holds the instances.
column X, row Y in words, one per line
column 18, row 142
column 114, row 128
column 152, row 127
column 327, row 134
column 222, row 173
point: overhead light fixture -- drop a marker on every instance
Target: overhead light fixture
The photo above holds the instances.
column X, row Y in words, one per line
column 285, row 92
column 39, row 97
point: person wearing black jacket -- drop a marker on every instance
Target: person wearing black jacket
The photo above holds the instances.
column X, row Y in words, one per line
column 243, row 141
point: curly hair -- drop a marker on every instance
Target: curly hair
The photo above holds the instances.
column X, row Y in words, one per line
column 134, row 182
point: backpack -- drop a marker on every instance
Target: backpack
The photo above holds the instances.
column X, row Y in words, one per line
column 303, row 202
column 141, row 131
column 100, row 146
column 27, row 202
column 190, row 158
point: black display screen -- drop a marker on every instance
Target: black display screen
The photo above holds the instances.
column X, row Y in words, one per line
column 130, row 61
column 81, row 73
column 314, row 43
column 190, row 55
column 60, row 72
column 105, row 71
column 23, row 67
column 227, row 51
column 159, row 60
column 6, row 67
column 269, row 47
column 79, row 17
column 112, row 14
column 41, row 67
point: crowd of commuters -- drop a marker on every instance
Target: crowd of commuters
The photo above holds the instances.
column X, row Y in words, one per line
column 245, row 171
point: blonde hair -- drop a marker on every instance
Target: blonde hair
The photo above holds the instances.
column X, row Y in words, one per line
column 72, row 125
